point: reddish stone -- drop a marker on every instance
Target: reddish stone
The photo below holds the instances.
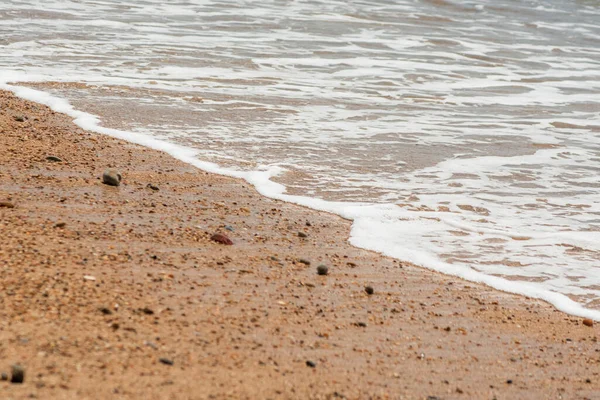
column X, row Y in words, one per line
column 588, row 322
column 220, row 238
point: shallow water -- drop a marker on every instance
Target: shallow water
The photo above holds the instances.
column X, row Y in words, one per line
column 463, row 136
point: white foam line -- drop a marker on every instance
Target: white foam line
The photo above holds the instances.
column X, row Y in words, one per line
column 372, row 223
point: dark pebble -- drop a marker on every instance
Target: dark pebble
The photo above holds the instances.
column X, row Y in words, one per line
column 302, row 234
column 19, row 118
column 17, row 374
column 229, row 228
column 311, row 364
column 166, row 361
column 6, row 204
column 361, row 324
column 220, row 238
column 151, row 186
column 54, row 158
column 588, row 380
column 105, row 311
column 433, row 398
column 509, row 381
column 60, row 225
column 4, row 376
column 147, row 311
column 111, row 177
column 369, row 289
column 322, row 270
column 304, row 261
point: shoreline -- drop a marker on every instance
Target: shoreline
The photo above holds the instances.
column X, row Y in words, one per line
column 262, row 183
column 236, row 321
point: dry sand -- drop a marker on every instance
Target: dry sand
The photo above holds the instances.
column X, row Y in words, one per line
column 99, row 283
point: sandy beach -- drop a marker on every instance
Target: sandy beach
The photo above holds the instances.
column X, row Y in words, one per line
column 124, row 293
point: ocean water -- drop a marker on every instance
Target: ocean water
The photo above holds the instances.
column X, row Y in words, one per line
column 463, row 136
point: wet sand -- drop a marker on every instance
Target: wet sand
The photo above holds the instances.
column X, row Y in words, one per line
column 120, row 293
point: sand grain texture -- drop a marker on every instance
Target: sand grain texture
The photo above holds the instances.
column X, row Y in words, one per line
column 120, row 293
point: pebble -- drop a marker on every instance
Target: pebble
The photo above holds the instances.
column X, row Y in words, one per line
column 6, row 204
column 588, row 322
column 311, row 364
column 304, row 261
column 369, row 290
column 17, row 374
column 322, row 270
column 111, row 177
column 220, row 238
column 302, row 234
column 19, row 118
column 166, row 361
column 105, row 310
column 147, row 311
column 4, row 376
column 229, row 228
column 361, row 324
column 54, row 158
column 509, row 381
column 153, row 187
column 60, row 225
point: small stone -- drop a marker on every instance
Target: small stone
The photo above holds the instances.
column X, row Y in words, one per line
column 111, row 177
column 105, row 310
column 322, row 270
column 229, row 228
column 509, row 381
column 588, row 322
column 369, row 290
column 4, row 376
column 89, row 278
column 60, row 225
column 17, row 374
column 302, row 235
column 361, row 324
column 54, row 158
column 220, row 238
column 304, row 261
column 19, row 118
column 153, row 187
column 311, row 364
column 147, row 311
column 166, row 361
column 6, row 204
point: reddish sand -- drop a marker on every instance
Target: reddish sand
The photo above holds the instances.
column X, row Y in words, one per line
column 99, row 283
